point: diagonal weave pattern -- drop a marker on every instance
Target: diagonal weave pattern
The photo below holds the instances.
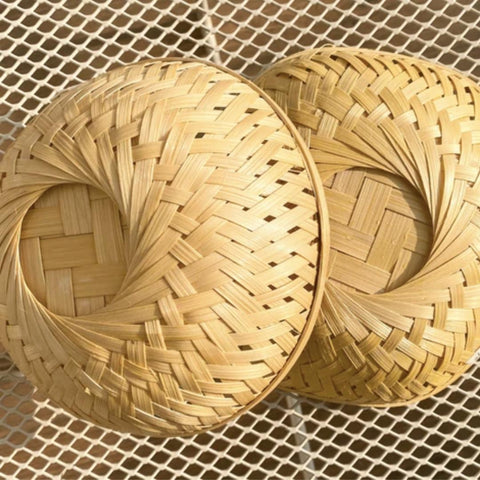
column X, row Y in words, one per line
column 52, row 45
column 221, row 247
column 360, row 108
column 72, row 250
column 381, row 233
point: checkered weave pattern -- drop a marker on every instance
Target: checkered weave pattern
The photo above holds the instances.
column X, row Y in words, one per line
column 380, row 250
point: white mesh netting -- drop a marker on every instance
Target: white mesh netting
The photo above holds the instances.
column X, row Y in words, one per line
column 46, row 46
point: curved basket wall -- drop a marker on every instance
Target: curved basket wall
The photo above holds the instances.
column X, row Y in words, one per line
column 399, row 319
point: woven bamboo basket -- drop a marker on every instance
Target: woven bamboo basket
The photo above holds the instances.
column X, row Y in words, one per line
column 160, row 231
column 397, row 143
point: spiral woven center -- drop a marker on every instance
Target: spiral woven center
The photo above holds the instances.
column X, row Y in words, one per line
column 364, row 109
column 72, row 249
column 381, row 232
column 194, row 311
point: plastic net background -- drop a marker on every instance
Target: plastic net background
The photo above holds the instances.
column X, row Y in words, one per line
column 46, row 46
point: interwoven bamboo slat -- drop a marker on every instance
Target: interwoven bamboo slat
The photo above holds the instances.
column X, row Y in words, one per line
column 391, row 330
column 193, row 307
column 381, row 232
column 72, row 249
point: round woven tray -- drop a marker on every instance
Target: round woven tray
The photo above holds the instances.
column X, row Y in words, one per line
column 159, row 236
column 397, row 143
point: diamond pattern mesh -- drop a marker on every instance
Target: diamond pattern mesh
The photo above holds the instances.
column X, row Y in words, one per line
column 46, row 46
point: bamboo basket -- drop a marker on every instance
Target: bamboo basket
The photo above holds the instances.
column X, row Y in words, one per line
column 397, row 143
column 160, row 231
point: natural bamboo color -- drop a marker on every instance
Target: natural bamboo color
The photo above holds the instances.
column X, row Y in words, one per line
column 72, row 249
column 380, row 230
column 195, row 305
column 404, row 117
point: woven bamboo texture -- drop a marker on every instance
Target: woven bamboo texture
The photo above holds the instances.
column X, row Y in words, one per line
column 381, row 232
column 72, row 250
column 159, row 242
column 400, row 316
